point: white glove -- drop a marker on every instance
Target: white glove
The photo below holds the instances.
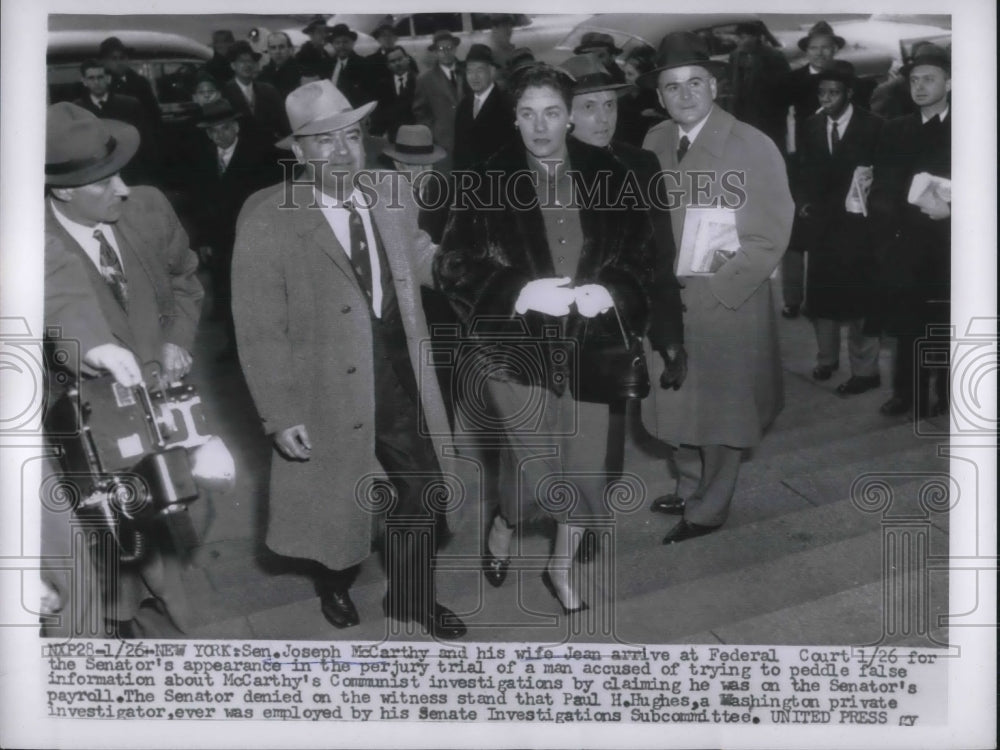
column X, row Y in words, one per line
column 117, row 360
column 593, row 299
column 549, row 296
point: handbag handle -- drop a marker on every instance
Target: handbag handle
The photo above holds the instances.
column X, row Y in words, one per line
column 621, row 326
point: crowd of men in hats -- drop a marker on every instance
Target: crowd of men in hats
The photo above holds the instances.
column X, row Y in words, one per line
column 324, row 345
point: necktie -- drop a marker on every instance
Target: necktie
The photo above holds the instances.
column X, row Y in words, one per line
column 222, row 164
column 682, row 148
column 400, row 84
column 477, row 104
column 453, row 81
column 834, row 137
column 360, row 258
column 337, row 71
column 250, row 99
column 112, row 271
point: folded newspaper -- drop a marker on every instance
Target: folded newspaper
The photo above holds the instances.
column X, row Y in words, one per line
column 927, row 190
column 709, row 240
column 857, row 194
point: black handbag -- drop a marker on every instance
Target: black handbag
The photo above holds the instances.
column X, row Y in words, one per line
column 611, row 365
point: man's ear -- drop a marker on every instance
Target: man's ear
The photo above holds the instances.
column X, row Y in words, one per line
column 713, row 86
column 62, row 194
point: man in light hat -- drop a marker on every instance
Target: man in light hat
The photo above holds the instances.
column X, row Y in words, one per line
column 733, row 389
column 259, row 103
column 917, row 235
column 414, row 153
column 483, row 122
column 438, row 93
column 121, row 281
column 329, row 325
column 602, row 45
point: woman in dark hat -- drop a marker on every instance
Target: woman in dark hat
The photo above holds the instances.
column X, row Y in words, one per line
column 547, row 264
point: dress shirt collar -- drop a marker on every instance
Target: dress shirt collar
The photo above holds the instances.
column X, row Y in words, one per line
column 841, row 121
column 84, row 235
column 695, row 129
column 226, row 154
column 448, row 72
column 940, row 115
column 99, row 102
column 246, row 89
column 482, row 96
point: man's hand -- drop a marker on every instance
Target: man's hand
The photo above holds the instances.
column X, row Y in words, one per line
column 293, row 443
column 205, row 253
column 674, row 367
column 117, row 360
column 593, row 299
column 937, row 210
column 549, row 296
column 176, row 362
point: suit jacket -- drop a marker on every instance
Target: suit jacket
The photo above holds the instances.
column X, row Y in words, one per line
column 285, row 79
column 435, row 102
column 393, row 109
column 842, row 268
column 759, row 81
column 164, row 306
column 733, row 388
column 268, row 117
column 478, row 138
column 354, row 81
column 132, row 84
column 488, row 256
column 219, row 68
column 304, row 333
column 315, row 58
column 144, row 166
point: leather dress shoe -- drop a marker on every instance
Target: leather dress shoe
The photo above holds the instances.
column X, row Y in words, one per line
column 550, row 586
column 338, row 609
column 670, row 504
column 895, row 406
column 790, row 311
column 687, row 530
column 859, row 384
column 823, row 372
column 437, row 620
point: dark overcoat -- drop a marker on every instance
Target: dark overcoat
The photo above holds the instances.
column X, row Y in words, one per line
column 733, row 389
column 841, row 283
column 304, row 335
column 478, row 138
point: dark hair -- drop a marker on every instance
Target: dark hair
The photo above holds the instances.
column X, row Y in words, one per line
column 542, row 74
column 396, row 47
column 642, row 58
column 89, row 64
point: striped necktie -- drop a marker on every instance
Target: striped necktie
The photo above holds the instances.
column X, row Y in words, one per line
column 682, row 148
column 112, row 270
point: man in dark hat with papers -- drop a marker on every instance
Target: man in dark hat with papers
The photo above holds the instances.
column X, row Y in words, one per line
column 120, row 280
column 329, row 325
column 438, row 93
column 483, row 122
column 731, row 180
column 835, row 159
column 911, row 208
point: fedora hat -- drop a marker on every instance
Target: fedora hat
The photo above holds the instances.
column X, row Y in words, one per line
column 242, row 47
column 81, row 149
column 595, row 39
column 589, row 75
column 113, row 44
column 821, row 28
column 216, row 113
column 521, row 57
column 442, row 36
column 480, row 53
column 342, row 29
column 320, row 107
column 316, row 22
column 837, row 70
column 928, row 54
column 386, row 27
column 414, row 145
column 680, row 49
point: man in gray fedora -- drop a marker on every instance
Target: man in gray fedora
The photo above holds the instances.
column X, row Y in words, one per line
column 326, row 301
column 119, row 280
column 733, row 389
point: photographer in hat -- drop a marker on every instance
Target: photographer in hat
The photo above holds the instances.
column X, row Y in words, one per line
column 329, row 325
column 121, row 281
column 733, row 389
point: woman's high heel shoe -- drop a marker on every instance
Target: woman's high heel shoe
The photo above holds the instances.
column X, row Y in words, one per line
column 494, row 569
column 550, row 585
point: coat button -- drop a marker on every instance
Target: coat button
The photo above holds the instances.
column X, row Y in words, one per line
column 345, row 309
column 358, row 425
column 562, row 240
column 351, row 370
